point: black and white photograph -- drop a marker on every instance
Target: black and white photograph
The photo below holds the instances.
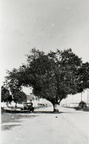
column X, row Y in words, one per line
column 44, row 71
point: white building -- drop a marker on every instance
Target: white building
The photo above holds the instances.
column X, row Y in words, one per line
column 73, row 100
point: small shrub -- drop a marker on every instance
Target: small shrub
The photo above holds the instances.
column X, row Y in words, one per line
column 82, row 105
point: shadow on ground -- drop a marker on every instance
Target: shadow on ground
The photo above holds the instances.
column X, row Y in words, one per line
column 8, row 127
column 47, row 112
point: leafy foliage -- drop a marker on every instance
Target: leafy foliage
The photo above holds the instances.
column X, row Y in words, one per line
column 83, row 81
column 19, row 97
column 53, row 76
column 5, row 95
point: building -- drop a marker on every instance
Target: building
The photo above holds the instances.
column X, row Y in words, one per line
column 74, row 100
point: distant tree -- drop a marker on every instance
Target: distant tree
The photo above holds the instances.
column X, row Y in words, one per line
column 13, row 81
column 5, row 95
column 83, row 81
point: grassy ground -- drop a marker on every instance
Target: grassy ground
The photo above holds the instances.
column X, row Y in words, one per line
column 13, row 117
column 7, row 118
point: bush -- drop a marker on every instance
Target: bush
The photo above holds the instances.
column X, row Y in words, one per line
column 82, row 105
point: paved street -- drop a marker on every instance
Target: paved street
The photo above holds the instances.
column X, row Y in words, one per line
column 67, row 127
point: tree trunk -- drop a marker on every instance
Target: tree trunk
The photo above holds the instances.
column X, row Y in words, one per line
column 81, row 96
column 15, row 105
column 55, row 108
column 7, row 103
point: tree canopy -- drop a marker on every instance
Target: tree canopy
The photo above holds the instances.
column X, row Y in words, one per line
column 19, row 97
column 53, row 75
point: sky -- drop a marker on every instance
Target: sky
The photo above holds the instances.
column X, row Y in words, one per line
column 43, row 24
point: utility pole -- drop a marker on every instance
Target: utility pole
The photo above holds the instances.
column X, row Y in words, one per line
column 81, row 96
column 88, row 96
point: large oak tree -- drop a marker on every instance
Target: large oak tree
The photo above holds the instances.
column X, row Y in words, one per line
column 53, row 76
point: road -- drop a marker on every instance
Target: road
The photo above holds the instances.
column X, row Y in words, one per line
column 67, row 127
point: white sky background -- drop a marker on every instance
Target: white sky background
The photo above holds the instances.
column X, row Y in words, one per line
column 44, row 24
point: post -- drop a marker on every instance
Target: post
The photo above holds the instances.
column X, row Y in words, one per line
column 81, row 96
column 88, row 96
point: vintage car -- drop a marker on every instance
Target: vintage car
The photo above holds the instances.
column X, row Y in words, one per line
column 28, row 106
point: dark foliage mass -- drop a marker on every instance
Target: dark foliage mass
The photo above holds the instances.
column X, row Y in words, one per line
column 53, row 76
column 5, row 95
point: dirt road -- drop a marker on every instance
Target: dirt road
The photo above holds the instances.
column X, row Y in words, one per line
column 67, row 127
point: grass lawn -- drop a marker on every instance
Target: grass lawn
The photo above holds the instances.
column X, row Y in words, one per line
column 7, row 118
column 13, row 117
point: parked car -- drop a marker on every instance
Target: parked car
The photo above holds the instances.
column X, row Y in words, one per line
column 28, row 106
